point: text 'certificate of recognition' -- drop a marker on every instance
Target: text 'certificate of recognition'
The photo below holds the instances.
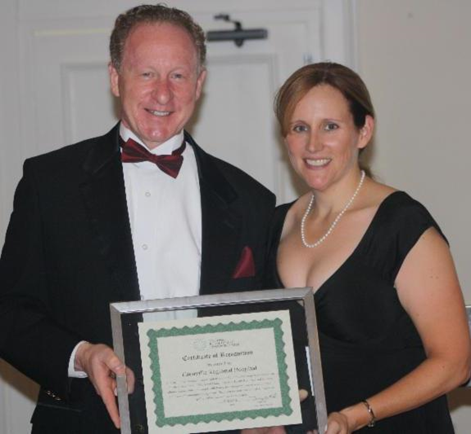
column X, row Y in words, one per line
column 219, row 373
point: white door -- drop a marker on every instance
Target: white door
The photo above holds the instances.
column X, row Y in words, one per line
column 64, row 97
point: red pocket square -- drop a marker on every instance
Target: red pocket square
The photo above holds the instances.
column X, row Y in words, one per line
column 246, row 265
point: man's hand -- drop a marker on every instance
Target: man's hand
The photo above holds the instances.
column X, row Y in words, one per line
column 102, row 366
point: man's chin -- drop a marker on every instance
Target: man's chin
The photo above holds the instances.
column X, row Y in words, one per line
column 156, row 140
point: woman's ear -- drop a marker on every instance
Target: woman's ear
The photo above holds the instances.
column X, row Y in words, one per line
column 366, row 132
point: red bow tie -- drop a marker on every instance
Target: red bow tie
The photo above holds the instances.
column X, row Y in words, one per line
column 133, row 152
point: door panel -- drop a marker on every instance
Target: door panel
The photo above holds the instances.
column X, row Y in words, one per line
column 234, row 120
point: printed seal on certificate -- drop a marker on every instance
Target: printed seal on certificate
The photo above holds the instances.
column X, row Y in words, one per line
column 219, row 363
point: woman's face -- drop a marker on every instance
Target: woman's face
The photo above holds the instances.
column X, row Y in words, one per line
column 322, row 140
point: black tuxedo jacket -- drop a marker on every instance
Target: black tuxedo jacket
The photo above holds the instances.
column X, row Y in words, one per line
column 68, row 254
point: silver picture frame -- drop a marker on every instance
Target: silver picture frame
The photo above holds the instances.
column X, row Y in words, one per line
column 304, row 296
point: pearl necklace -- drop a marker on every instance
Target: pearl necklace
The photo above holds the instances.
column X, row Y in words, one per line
column 334, row 223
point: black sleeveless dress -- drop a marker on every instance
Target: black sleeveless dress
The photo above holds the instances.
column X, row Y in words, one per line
column 367, row 340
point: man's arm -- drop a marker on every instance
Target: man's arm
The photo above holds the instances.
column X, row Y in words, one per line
column 29, row 338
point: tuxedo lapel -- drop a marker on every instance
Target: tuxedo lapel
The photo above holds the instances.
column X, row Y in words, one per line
column 221, row 224
column 105, row 201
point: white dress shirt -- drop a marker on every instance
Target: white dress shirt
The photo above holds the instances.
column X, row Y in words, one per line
column 166, row 228
column 165, row 217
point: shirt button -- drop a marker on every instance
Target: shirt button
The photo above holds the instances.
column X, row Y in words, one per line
column 145, row 247
column 148, row 194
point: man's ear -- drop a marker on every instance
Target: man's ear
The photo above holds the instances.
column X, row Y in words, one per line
column 199, row 82
column 366, row 132
column 114, row 79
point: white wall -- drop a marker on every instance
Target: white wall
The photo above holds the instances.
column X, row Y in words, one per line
column 415, row 57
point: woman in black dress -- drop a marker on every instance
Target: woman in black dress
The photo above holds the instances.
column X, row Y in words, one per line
column 393, row 331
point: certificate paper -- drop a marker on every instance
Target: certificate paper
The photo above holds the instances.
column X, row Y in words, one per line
column 219, row 373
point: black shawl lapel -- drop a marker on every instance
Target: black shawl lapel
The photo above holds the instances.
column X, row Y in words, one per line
column 105, row 201
column 221, row 224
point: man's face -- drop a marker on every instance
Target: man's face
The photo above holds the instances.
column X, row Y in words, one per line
column 158, row 83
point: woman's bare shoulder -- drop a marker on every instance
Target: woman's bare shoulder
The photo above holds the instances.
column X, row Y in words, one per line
column 377, row 193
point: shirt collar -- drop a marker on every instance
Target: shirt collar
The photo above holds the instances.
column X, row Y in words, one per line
column 165, row 148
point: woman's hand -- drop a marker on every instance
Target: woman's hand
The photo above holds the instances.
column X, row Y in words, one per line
column 303, row 394
column 337, row 424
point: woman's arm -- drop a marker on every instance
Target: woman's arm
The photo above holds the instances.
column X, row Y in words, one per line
column 429, row 291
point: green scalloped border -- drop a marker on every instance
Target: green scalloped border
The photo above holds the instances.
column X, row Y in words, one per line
column 274, row 324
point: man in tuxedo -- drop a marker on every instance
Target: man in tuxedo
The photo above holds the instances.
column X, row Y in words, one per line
column 139, row 213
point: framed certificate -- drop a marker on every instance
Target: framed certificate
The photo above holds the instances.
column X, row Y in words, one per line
column 219, row 363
